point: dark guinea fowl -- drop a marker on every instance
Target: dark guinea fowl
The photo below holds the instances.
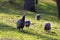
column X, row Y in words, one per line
column 27, row 23
column 21, row 22
column 47, row 27
column 37, row 16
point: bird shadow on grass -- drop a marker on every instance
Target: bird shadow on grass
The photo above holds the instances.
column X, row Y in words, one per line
column 52, row 33
column 4, row 27
column 44, row 37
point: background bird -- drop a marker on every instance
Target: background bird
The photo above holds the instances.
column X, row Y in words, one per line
column 27, row 23
column 21, row 22
column 37, row 16
column 47, row 27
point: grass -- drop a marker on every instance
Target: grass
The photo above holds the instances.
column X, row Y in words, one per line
column 10, row 13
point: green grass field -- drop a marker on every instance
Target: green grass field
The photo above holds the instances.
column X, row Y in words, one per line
column 10, row 13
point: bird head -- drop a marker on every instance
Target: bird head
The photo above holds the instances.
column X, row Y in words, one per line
column 23, row 18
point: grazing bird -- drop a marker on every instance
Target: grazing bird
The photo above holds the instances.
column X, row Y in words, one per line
column 21, row 22
column 27, row 23
column 37, row 16
column 47, row 27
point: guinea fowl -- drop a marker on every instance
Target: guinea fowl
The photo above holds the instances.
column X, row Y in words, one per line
column 21, row 22
column 47, row 27
column 38, row 16
column 27, row 23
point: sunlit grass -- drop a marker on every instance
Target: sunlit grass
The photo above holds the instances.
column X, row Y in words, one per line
column 9, row 16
